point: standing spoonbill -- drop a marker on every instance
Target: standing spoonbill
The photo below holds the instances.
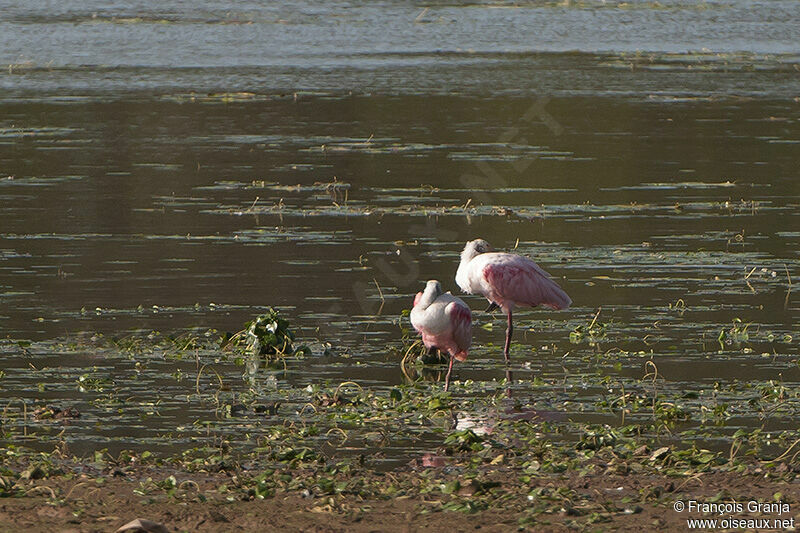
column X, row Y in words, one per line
column 507, row 280
column 444, row 321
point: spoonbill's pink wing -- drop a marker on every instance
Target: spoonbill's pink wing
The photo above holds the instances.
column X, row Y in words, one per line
column 461, row 322
column 520, row 280
column 416, row 298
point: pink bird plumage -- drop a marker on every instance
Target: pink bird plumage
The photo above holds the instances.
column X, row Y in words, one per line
column 507, row 281
column 445, row 323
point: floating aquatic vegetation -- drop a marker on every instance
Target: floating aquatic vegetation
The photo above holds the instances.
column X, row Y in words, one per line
column 53, row 412
column 266, row 335
column 593, row 333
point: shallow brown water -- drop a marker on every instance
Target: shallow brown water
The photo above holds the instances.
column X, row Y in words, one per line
column 136, row 197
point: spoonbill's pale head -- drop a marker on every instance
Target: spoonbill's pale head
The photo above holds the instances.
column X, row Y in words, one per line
column 476, row 247
column 433, row 287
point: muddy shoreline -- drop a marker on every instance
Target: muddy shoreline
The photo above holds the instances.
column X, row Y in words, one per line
column 608, row 492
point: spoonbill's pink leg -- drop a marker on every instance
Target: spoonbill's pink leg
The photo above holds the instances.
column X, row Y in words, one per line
column 447, row 377
column 509, row 331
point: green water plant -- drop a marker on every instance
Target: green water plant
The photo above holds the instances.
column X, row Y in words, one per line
column 266, row 335
column 593, row 333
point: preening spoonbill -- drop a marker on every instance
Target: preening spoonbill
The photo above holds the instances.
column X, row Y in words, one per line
column 507, row 280
column 444, row 321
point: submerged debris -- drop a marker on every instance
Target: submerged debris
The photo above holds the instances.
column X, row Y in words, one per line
column 52, row 412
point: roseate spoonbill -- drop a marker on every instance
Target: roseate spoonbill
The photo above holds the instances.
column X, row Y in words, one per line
column 444, row 321
column 507, row 280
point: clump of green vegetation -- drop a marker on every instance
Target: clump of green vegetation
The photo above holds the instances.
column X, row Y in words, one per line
column 593, row 333
column 736, row 334
column 267, row 335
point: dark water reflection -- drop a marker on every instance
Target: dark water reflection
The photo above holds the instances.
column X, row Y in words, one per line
column 132, row 199
column 304, row 203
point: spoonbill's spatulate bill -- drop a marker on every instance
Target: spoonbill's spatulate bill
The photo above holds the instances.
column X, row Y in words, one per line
column 444, row 321
column 507, row 281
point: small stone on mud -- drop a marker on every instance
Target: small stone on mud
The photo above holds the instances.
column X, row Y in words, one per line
column 216, row 516
column 659, row 453
column 142, row 526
